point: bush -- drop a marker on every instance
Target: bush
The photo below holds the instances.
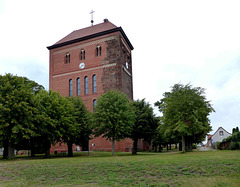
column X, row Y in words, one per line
column 194, row 146
column 234, row 145
column 218, row 145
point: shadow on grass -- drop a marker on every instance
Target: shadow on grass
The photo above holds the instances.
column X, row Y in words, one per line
column 92, row 154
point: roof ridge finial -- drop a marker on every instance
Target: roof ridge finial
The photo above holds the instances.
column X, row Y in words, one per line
column 92, row 16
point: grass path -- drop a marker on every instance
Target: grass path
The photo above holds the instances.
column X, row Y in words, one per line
column 213, row 168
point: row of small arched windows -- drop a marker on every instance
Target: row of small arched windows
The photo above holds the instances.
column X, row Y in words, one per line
column 78, row 84
column 82, row 54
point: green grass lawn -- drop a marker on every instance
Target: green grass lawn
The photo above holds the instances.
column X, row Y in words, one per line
column 213, row 168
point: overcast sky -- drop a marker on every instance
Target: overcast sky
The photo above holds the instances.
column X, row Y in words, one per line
column 196, row 42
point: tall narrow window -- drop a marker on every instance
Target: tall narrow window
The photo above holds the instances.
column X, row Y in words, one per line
column 94, row 104
column 67, row 58
column 86, row 85
column 78, row 86
column 82, row 54
column 94, row 82
column 99, row 50
column 70, row 88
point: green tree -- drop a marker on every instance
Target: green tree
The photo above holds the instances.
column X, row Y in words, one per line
column 145, row 124
column 17, row 111
column 113, row 116
column 235, row 130
column 185, row 112
column 78, row 133
column 55, row 121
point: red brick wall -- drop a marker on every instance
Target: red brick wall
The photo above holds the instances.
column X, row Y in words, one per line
column 109, row 68
column 101, row 144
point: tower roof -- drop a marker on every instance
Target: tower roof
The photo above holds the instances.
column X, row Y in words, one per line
column 90, row 32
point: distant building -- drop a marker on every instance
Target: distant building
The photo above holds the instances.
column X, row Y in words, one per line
column 218, row 136
column 87, row 63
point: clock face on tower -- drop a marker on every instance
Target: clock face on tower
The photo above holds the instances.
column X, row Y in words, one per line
column 82, row 65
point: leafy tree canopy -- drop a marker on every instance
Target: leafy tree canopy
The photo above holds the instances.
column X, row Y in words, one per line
column 17, row 111
column 145, row 123
column 185, row 112
column 113, row 116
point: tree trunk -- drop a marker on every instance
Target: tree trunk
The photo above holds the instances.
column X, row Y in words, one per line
column 155, row 147
column 183, row 144
column 190, row 146
column 10, row 151
column 33, row 152
column 70, row 150
column 180, row 146
column 160, row 148
column 32, row 149
column 170, row 146
column 151, row 146
column 113, row 143
column 47, row 151
column 167, row 147
column 175, row 145
column 5, row 151
column 135, row 142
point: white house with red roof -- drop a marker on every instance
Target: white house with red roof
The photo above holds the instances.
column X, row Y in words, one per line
column 218, row 136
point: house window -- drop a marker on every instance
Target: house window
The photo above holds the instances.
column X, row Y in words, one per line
column 67, row 58
column 82, row 54
column 221, row 133
column 94, row 81
column 78, row 86
column 70, row 88
column 99, row 50
column 94, row 104
column 86, row 85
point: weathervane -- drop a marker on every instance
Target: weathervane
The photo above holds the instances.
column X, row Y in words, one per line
column 92, row 16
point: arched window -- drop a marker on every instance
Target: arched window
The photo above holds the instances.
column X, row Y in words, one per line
column 94, row 82
column 86, row 85
column 94, row 104
column 70, row 88
column 82, row 54
column 99, row 50
column 78, row 86
column 67, row 58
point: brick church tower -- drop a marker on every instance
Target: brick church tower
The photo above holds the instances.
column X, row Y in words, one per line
column 90, row 61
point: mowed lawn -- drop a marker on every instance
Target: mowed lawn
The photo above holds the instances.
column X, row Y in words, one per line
column 213, row 168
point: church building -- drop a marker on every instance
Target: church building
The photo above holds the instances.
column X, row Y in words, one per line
column 87, row 63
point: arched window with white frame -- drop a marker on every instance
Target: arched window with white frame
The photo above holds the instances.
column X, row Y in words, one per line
column 94, row 82
column 82, row 54
column 94, row 104
column 67, row 58
column 78, row 86
column 86, row 85
column 70, row 88
column 99, row 50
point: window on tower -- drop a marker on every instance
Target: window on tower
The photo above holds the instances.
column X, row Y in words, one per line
column 94, row 104
column 67, row 58
column 82, row 54
column 99, row 50
column 70, row 88
column 94, row 82
column 86, row 85
column 78, row 86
